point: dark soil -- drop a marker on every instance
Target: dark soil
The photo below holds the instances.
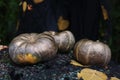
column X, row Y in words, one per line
column 58, row 68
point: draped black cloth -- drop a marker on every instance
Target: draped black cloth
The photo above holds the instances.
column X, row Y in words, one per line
column 83, row 15
column 40, row 18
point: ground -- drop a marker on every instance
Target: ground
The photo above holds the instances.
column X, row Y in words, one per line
column 58, row 68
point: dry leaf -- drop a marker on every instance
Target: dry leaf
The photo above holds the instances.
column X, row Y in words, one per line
column 90, row 74
column 24, row 6
column 114, row 78
column 38, row 1
column 3, row 46
column 62, row 23
column 75, row 63
column 105, row 13
column 29, row 7
column 17, row 26
column 79, row 75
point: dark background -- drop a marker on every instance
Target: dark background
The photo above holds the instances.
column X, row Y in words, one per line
column 9, row 17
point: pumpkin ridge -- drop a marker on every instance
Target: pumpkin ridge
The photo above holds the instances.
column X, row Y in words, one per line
column 106, row 58
column 77, row 49
column 17, row 49
column 70, row 40
column 78, row 45
column 20, row 53
column 88, row 53
column 77, row 54
column 46, row 36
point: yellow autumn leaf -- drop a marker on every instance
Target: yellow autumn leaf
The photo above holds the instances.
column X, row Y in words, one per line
column 24, row 6
column 114, row 78
column 91, row 74
column 62, row 23
column 105, row 13
column 79, row 75
column 75, row 63
column 38, row 1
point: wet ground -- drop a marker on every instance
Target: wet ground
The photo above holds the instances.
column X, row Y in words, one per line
column 58, row 68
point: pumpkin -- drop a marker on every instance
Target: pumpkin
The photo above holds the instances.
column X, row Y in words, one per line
column 90, row 52
column 30, row 48
column 65, row 40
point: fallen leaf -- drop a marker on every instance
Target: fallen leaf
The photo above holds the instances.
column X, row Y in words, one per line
column 91, row 74
column 114, row 78
column 29, row 7
column 24, row 6
column 17, row 26
column 62, row 23
column 38, row 1
column 104, row 12
column 75, row 63
column 79, row 75
column 3, row 47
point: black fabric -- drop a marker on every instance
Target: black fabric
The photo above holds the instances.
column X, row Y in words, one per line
column 84, row 16
column 108, row 23
column 40, row 18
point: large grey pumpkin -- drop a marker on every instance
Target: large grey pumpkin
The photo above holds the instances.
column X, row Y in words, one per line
column 90, row 52
column 31, row 48
column 65, row 40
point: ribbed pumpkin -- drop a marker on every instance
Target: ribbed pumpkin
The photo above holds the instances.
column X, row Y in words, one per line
column 65, row 40
column 90, row 52
column 30, row 48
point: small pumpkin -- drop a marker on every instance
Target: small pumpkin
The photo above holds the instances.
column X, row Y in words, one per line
column 65, row 40
column 30, row 48
column 90, row 52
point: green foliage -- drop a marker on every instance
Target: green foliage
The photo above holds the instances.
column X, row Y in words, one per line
column 8, row 16
column 116, row 30
column 115, row 41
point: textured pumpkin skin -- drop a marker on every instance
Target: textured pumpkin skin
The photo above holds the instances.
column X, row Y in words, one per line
column 65, row 40
column 32, row 48
column 89, row 52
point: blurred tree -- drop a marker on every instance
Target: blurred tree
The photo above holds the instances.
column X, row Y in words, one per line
column 8, row 16
column 115, row 13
